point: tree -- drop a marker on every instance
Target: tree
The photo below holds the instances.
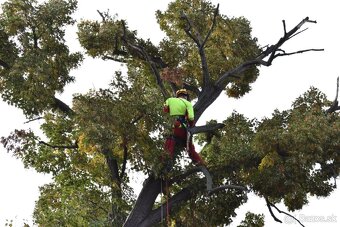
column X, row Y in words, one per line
column 92, row 147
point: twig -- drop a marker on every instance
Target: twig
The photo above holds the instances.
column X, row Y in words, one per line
column 230, row 186
column 335, row 105
column 75, row 146
column 284, row 27
column 34, row 119
column 298, row 52
column 102, row 16
column 107, row 57
column 269, row 205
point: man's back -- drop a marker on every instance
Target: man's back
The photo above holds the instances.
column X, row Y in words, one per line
column 179, row 107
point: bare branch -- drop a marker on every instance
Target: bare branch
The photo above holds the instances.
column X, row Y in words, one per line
column 200, row 45
column 34, row 119
column 270, row 52
column 107, row 57
column 284, row 27
column 188, row 30
column 269, row 205
column 297, row 52
column 102, row 16
column 147, row 58
column 212, row 26
column 271, row 211
column 75, row 146
column 335, row 105
column 206, row 128
column 298, row 33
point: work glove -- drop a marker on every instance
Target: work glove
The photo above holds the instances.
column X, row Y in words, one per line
column 191, row 123
column 166, row 109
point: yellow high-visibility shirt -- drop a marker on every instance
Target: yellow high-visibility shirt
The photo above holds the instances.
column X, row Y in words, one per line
column 179, row 107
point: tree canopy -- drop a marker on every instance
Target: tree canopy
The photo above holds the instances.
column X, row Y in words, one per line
column 94, row 147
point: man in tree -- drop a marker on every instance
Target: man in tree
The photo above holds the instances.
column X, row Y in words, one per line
column 182, row 116
column 93, row 147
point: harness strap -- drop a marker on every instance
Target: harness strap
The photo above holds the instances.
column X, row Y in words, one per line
column 183, row 121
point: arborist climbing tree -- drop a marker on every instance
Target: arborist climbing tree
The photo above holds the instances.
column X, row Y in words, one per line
column 94, row 148
column 182, row 117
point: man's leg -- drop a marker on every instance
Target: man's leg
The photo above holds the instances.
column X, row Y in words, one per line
column 169, row 146
column 195, row 157
column 181, row 133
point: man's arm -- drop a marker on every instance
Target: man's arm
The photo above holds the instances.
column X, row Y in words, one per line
column 166, row 107
column 191, row 115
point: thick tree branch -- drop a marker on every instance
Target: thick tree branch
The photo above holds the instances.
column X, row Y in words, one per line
column 125, row 156
column 188, row 30
column 155, row 217
column 145, row 201
column 147, row 58
column 184, row 195
column 180, row 177
column 58, row 104
column 206, row 128
column 113, row 166
column 212, row 26
column 200, row 45
column 191, row 88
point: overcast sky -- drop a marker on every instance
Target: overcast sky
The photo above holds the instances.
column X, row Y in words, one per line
column 276, row 88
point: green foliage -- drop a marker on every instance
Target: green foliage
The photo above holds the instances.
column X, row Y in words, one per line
column 252, row 220
column 299, row 150
column 36, row 60
column 230, row 44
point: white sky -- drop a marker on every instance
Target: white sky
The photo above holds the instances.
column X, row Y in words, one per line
column 277, row 86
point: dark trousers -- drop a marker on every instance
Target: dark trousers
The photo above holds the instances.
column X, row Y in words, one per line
column 180, row 137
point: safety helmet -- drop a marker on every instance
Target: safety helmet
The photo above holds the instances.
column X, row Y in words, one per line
column 182, row 92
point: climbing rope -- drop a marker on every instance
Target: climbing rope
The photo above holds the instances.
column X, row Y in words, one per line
column 167, row 203
column 161, row 201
